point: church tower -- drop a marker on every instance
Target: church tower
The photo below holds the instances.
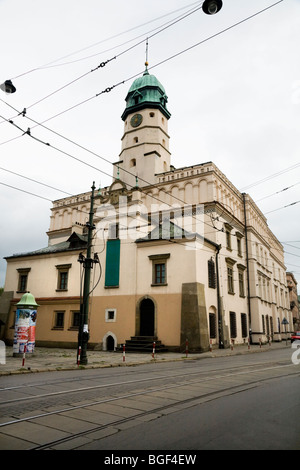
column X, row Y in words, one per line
column 145, row 143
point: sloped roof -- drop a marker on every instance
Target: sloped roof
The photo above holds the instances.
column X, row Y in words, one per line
column 146, row 92
column 167, row 230
column 74, row 242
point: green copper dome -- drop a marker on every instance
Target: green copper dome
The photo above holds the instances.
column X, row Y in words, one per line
column 146, row 80
column 146, row 92
column 28, row 301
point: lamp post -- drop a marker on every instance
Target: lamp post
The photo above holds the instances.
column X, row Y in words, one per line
column 211, row 7
column 285, row 322
column 8, row 87
column 83, row 334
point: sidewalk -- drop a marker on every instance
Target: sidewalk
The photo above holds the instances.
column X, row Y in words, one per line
column 55, row 359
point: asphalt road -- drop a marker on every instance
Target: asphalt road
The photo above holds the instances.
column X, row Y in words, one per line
column 265, row 417
column 237, row 402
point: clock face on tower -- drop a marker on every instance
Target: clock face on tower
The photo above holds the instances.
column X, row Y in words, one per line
column 136, row 120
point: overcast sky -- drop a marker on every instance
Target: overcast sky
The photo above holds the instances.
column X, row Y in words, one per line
column 234, row 100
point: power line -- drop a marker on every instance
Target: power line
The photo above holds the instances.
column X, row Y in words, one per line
column 102, row 158
column 108, row 89
column 284, row 207
column 292, row 246
column 27, row 192
column 271, row 176
column 35, row 181
column 278, row 192
column 50, row 64
column 102, row 64
column 71, row 156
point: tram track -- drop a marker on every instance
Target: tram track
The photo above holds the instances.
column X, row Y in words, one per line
column 192, row 389
column 197, row 373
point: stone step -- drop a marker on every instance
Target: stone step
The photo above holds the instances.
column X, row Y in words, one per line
column 143, row 344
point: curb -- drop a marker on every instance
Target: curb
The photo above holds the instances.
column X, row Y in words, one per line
column 206, row 355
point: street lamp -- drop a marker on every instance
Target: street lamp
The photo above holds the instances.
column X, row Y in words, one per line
column 211, row 7
column 8, row 87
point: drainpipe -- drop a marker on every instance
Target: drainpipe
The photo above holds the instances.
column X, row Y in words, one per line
column 247, row 262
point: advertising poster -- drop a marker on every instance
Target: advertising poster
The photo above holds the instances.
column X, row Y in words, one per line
column 25, row 323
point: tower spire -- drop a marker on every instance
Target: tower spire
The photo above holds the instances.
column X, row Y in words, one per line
column 146, row 63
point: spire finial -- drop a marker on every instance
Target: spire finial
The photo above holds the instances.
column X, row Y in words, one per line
column 146, row 63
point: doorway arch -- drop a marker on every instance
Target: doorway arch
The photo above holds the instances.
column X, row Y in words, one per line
column 109, row 342
column 146, row 317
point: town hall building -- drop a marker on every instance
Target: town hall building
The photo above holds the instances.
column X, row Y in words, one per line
column 179, row 253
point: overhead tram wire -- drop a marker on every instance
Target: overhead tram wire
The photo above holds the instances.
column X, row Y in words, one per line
column 27, row 192
column 104, row 63
column 283, row 207
column 79, row 210
column 293, row 167
column 277, row 192
column 107, row 161
column 108, row 89
column 104, row 159
column 52, row 63
column 28, row 132
column 34, row 181
column 101, row 171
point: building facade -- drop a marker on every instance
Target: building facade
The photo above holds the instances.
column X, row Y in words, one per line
column 179, row 254
column 293, row 298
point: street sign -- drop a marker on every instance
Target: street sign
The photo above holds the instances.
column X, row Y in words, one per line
column 284, row 322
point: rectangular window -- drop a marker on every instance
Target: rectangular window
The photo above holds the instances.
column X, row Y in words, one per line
column 271, row 326
column 228, row 240
column 159, row 269
column 160, row 273
column 228, row 229
column 113, row 231
column 110, row 314
column 241, row 284
column 23, row 279
column 239, row 246
column 23, row 282
column 244, row 325
column 59, row 319
column 212, row 326
column 63, row 276
column 75, row 320
column 233, row 330
column 211, row 274
column 63, row 281
column 230, row 280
